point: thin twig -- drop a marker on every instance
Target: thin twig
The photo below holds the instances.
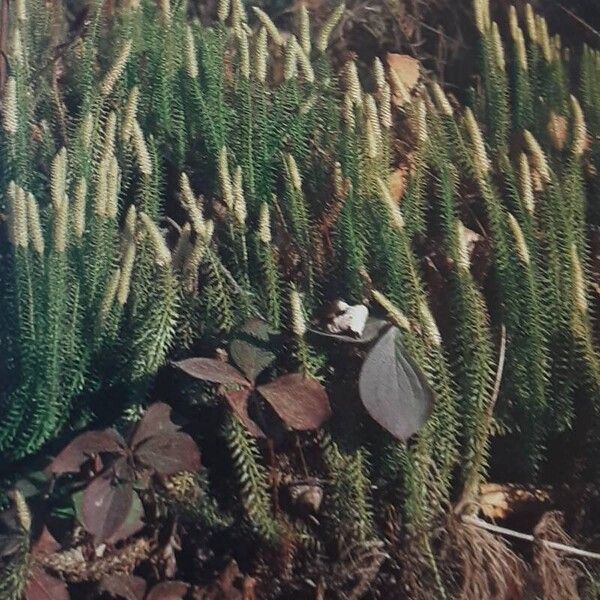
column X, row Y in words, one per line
column 477, row 522
column 471, row 480
column 4, row 15
column 579, row 20
column 499, row 374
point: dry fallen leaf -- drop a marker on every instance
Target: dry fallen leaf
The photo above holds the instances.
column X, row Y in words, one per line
column 558, row 130
column 407, row 68
column 500, row 500
column 397, row 183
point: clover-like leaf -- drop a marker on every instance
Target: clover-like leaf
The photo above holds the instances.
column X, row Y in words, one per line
column 88, row 444
column 169, row 453
column 45, row 543
column 106, row 505
column 299, row 402
column 156, row 420
column 133, row 522
column 210, row 369
column 250, row 358
column 238, row 402
column 43, row 586
column 393, row 388
column 258, row 329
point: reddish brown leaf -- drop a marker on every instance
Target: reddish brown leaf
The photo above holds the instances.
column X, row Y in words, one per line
column 209, row 369
column 45, row 544
column 168, row 590
column 105, row 507
column 127, row 587
column 156, row 420
column 42, row 586
column 300, row 403
column 238, row 401
column 169, row 453
column 397, row 183
column 83, row 447
column 132, row 524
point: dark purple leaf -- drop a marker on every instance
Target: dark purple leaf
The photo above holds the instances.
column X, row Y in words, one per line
column 300, row 403
column 127, row 587
column 169, row 453
column 156, row 420
column 394, row 389
column 133, row 523
column 251, row 359
column 106, row 506
column 42, row 586
column 9, row 521
column 169, row 590
column 238, row 401
column 10, row 543
column 122, row 470
column 83, row 447
column 210, row 369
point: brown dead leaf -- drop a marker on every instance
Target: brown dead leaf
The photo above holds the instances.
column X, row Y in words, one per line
column 397, row 183
column 407, row 68
column 536, row 181
column 230, row 585
column 501, row 500
column 558, row 130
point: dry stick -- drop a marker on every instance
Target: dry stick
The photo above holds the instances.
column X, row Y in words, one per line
column 477, row 522
column 499, row 373
column 4, row 13
column 465, row 498
column 579, row 20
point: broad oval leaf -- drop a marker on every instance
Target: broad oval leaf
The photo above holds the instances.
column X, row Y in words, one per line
column 156, row 420
column 210, row 369
column 43, row 586
column 169, row 453
column 393, row 388
column 105, row 507
column 238, row 402
column 299, row 402
column 169, row 590
column 126, row 587
column 70, row 459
